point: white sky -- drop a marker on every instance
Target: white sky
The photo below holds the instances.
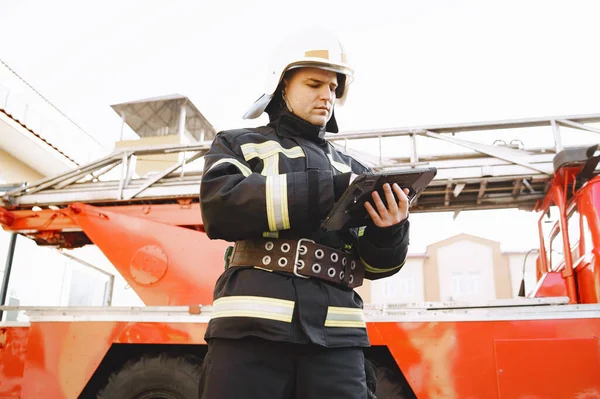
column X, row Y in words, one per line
column 417, row 63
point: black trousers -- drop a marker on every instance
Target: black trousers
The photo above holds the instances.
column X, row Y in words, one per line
column 258, row 369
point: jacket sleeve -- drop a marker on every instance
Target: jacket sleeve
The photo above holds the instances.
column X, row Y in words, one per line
column 383, row 250
column 238, row 203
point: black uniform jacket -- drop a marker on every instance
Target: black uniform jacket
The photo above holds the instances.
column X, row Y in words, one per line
column 281, row 180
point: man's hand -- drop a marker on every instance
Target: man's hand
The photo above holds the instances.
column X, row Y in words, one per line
column 396, row 211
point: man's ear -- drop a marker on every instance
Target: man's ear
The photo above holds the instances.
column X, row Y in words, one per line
column 284, row 84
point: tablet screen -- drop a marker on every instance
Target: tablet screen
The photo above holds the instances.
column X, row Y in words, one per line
column 349, row 211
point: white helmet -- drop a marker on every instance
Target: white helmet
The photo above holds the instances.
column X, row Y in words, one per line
column 309, row 48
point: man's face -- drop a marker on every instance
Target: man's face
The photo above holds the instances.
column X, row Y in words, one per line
column 310, row 94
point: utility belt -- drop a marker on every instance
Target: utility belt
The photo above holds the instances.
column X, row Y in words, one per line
column 303, row 258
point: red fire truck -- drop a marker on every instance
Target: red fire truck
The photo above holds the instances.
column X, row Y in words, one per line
column 542, row 345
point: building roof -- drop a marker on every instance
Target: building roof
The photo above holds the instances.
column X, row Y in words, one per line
column 159, row 116
column 30, row 148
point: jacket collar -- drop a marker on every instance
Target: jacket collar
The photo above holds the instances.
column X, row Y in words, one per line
column 290, row 125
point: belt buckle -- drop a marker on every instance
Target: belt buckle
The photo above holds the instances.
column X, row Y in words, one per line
column 298, row 255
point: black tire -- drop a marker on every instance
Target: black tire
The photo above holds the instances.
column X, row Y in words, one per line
column 392, row 385
column 155, row 377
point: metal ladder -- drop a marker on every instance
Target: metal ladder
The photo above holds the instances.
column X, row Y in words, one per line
column 487, row 176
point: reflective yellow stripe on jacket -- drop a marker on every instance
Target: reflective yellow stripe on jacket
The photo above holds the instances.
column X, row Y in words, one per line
column 281, row 310
column 269, row 153
column 276, row 185
column 277, row 203
column 345, row 317
column 253, row 306
column 341, row 167
column 243, row 168
column 372, row 269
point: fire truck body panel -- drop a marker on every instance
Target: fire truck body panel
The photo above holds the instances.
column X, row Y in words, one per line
column 443, row 350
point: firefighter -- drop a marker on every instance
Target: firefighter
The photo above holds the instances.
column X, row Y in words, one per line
column 286, row 320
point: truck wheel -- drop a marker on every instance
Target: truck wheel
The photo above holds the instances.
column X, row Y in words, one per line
column 391, row 385
column 155, row 377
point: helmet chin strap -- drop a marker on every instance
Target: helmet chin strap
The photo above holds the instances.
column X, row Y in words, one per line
column 332, row 125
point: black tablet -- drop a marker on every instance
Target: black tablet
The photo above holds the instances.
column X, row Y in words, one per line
column 350, row 211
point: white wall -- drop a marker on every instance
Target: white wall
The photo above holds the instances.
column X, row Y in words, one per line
column 470, row 263
column 405, row 286
column 464, row 256
column 13, row 171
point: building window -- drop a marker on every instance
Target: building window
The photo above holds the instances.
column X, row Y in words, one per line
column 407, row 287
column 391, row 288
column 399, row 288
column 466, row 284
